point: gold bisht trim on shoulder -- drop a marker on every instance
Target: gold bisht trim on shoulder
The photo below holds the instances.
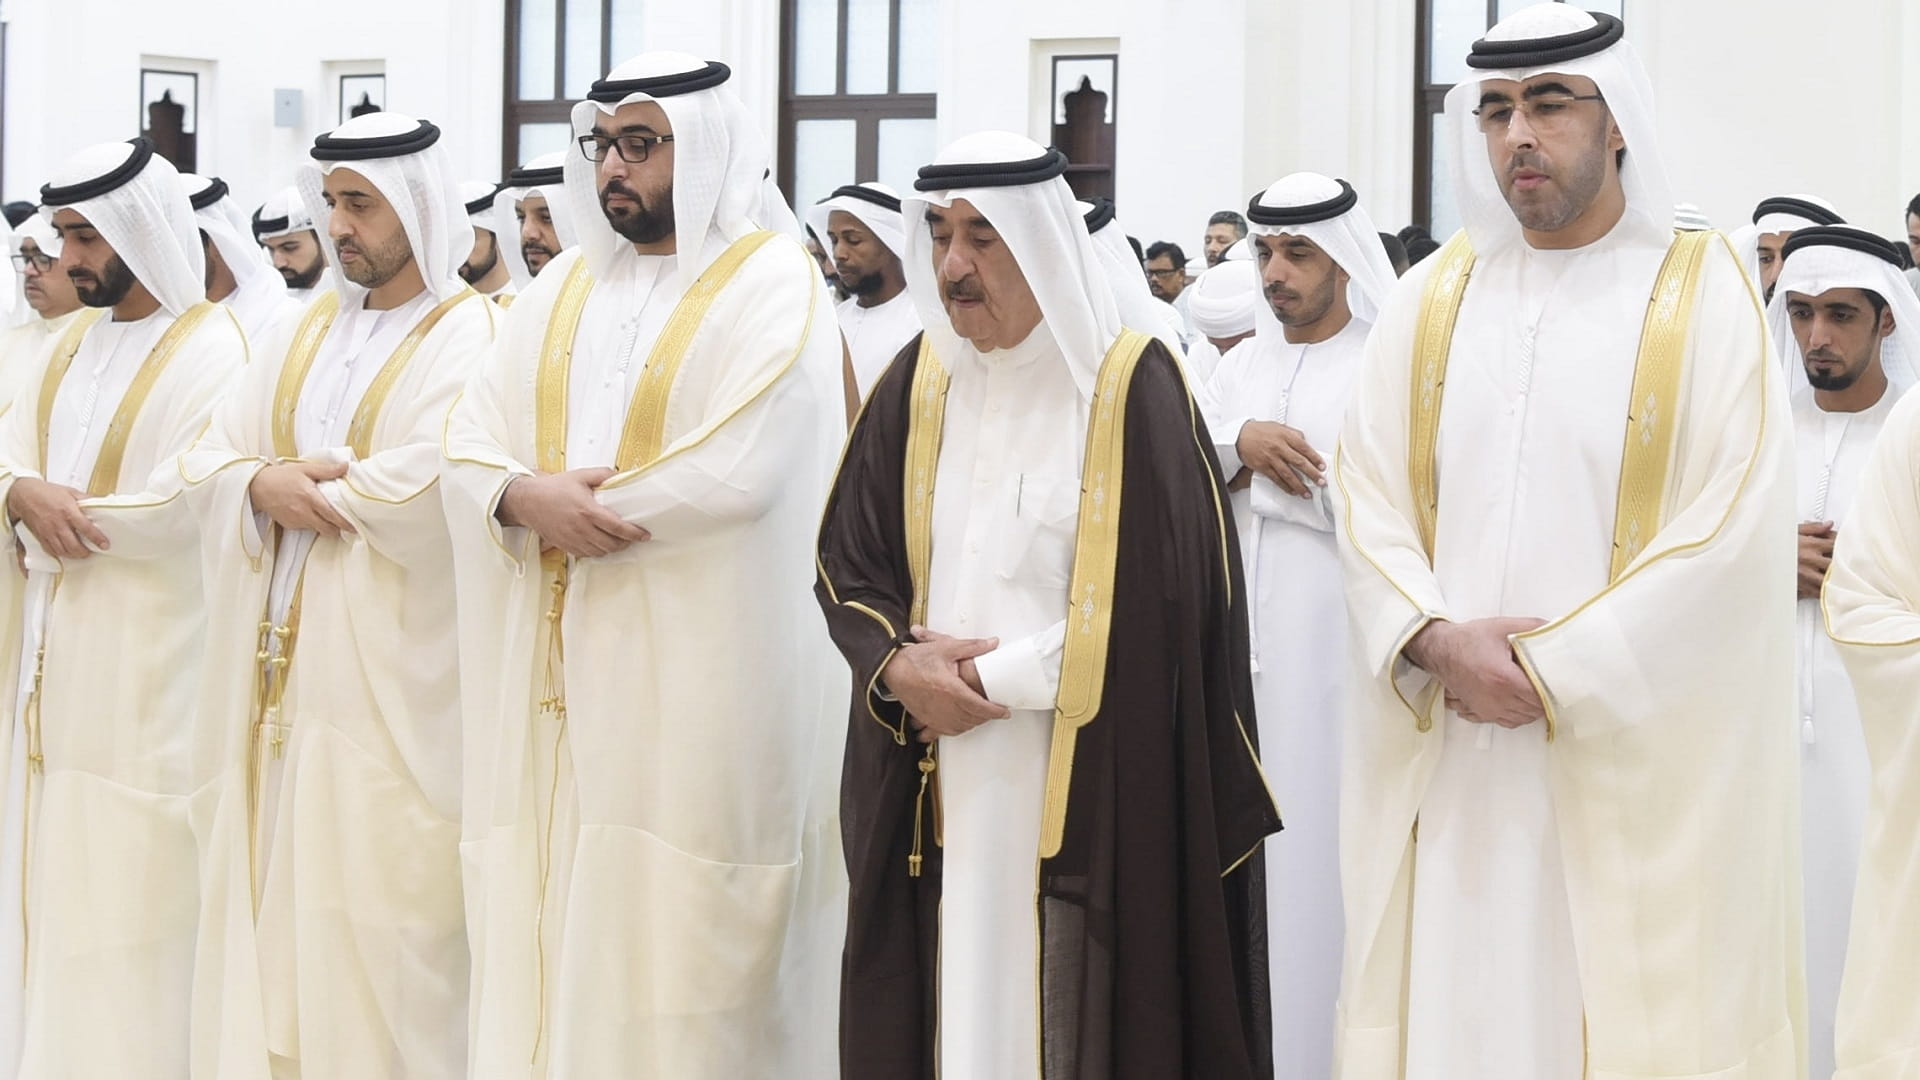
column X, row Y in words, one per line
column 57, row 365
column 926, row 420
column 360, row 428
column 105, row 478
column 1654, row 405
column 307, row 337
column 644, row 434
column 1432, row 345
column 1083, row 661
column 556, row 360
column 505, row 300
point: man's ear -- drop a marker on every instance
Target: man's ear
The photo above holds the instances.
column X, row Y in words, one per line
column 1887, row 323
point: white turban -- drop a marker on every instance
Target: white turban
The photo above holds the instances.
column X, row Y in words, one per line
column 216, row 214
column 283, row 214
column 401, row 157
column 1139, row 308
column 1820, row 258
column 134, row 199
column 1343, row 231
column 1615, row 68
column 1041, row 225
column 541, row 176
column 1226, row 299
column 1240, row 250
column 722, row 179
column 877, row 207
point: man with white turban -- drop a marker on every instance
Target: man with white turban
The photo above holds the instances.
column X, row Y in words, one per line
column 1568, row 799
column 1052, row 802
column 531, row 208
column 238, row 274
column 1843, row 317
column 330, row 719
column 484, row 267
column 283, row 227
column 1872, row 602
column 1279, row 401
column 1225, row 301
column 1774, row 222
column 859, row 226
column 48, row 296
column 654, row 881
column 102, row 650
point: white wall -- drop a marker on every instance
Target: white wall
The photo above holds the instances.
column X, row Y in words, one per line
column 73, row 77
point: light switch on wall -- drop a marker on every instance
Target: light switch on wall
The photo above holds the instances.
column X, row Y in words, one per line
column 288, row 108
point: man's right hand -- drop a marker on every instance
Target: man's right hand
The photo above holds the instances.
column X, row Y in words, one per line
column 929, row 680
column 52, row 513
column 1816, row 555
column 1282, row 455
column 289, row 493
column 562, row 509
column 1476, row 666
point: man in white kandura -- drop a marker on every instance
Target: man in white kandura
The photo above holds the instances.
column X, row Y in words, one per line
column 1278, row 402
column 532, row 213
column 1139, row 308
column 50, row 301
column 859, row 225
column 654, row 881
column 1226, row 301
column 331, row 710
column 1569, row 798
column 238, row 273
column 282, row 226
column 1843, row 316
column 485, row 267
column 1775, row 220
column 109, row 629
column 1872, row 603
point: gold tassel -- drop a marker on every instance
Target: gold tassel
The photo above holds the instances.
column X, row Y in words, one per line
column 927, row 765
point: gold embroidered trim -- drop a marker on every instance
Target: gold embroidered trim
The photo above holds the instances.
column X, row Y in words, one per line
column 360, row 428
column 556, row 360
column 312, row 330
column 1083, row 660
column 1432, row 345
column 925, row 422
column 63, row 355
column 644, row 433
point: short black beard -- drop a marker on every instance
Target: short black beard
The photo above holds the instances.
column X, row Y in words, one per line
column 1837, row 381
column 115, row 284
column 471, row 274
column 865, row 284
column 308, row 278
column 647, row 224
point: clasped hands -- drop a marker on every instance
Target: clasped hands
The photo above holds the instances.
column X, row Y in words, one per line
column 52, row 513
column 1477, row 667
column 1282, row 455
column 936, row 681
column 560, row 507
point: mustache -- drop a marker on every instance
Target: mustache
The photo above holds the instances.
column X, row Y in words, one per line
column 1822, row 356
column 344, row 246
column 965, row 289
column 529, row 249
column 1276, row 292
column 1532, row 162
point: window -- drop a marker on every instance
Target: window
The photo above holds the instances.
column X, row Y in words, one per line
column 1084, row 120
column 555, row 50
column 1446, row 31
column 857, row 94
column 170, row 115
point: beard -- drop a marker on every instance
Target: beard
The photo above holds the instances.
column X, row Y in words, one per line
column 376, row 266
column 306, row 278
column 1307, row 310
column 471, row 272
column 645, row 223
column 864, row 285
column 1572, row 191
column 115, row 282
column 1840, row 379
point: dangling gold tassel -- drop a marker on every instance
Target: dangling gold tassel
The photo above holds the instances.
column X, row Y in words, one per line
column 927, row 766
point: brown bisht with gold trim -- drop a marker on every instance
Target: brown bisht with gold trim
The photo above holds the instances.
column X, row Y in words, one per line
column 1150, row 906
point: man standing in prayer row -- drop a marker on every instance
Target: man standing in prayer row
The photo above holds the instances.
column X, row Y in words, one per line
column 1166, row 267
column 860, row 224
column 1567, row 544
column 1843, row 316
column 238, row 275
column 1115, row 252
column 1026, row 565
column 332, row 698
column 100, row 786
column 1224, row 229
column 284, row 229
column 1774, row 221
column 1872, row 603
column 1279, row 401
column 1226, row 301
column 51, row 302
column 532, row 207
column 483, row 267
column 654, row 878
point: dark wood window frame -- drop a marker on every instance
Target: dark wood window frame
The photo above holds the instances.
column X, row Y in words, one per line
column 866, row 110
column 559, row 108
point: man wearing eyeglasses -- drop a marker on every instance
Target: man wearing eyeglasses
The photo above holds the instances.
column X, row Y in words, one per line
column 48, row 291
column 634, row 479
column 1570, row 786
